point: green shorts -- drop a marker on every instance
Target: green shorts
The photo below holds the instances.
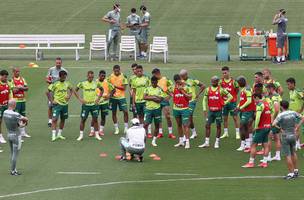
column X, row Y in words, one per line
column 2, row 109
column 192, row 105
column 20, row 108
column 288, row 144
column 246, row 117
column 164, row 103
column 86, row 110
column 104, row 109
column 144, row 34
column 214, row 116
column 261, row 136
column 60, row 110
column 140, row 108
column 184, row 114
column 275, row 130
column 151, row 115
column 119, row 103
column 229, row 108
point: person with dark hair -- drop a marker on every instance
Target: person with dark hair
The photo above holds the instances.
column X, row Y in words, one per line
column 262, row 128
column 153, row 95
column 259, row 79
column 281, row 20
column 131, row 78
column 113, row 19
column 118, row 100
column 214, row 100
column 144, row 33
column 59, row 93
column 89, row 103
column 231, row 85
column 5, row 91
column 138, row 87
column 51, row 77
column 289, row 122
column 268, row 79
column 246, row 107
column 296, row 100
column 192, row 83
column 133, row 23
column 103, row 103
column 181, row 98
column 167, row 86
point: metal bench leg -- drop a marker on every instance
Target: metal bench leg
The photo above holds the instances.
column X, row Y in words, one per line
column 90, row 55
column 150, row 54
column 77, row 54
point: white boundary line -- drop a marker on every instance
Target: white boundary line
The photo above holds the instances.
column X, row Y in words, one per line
column 174, row 174
column 78, row 173
column 138, row 181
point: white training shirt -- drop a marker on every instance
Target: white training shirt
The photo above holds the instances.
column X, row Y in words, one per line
column 136, row 136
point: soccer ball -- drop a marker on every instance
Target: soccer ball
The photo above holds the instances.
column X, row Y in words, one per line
column 22, row 123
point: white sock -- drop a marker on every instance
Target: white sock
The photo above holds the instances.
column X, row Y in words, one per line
column 22, row 130
column 278, row 154
column 296, row 170
column 50, row 120
column 181, row 139
column 243, row 143
column 81, row 133
column 251, row 160
column 142, row 53
column 59, row 132
column 160, row 130
column 141, row 125
column 96, row 133
column 187, row 140
column 126, row 125
column 247, row 143
column 237, row 130
column 250, row 136
column 207, row 140
column 154, row 139
column 269, row 155
column 101, row 128
column 149, row 129
column 193, row 131
column 116, row 126
column 283, row 58
column 265, row 159
column 278, row 58
column 217, row 140
column 170, row 130
column 53, row 133
column 225, row 130
column 92, row 129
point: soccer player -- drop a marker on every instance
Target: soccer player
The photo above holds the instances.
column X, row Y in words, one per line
column 138, row 87
column 268, row 79
column 275, row 100
column 296, row 100
column 229, row 84
column 89, row 102
column 192, row 83
column 181, row 98
column 287, row 122
column 12, row 119
column 19, row 88
column 259, row 79
column 281, row 20
column 51, row 77
column 59, row 93
column 5, row 96
column 103, row 103
column 246, row 107
column 113, row 19
column 120, row 83
column 167, row 86
column 214, row 99
column 131, row 78
column 262, row 127
column 153, row 96
column 144, row 33
column 133, row 23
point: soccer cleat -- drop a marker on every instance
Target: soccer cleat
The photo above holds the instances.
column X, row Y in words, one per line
column 160, row 135
column 296, row 174
column 263, row 165
column 193, row 136
column 241, row 148
column 275, row 158
column 116, row 131
column 101, row 133
column 260, row 152
column 187, row 146
column 149, row 136
column 248, row 165
column 154, row 143
column 180, row 144
column 237, row 136
column 60, row 137
column 91, row 134
column 15, row 173
column 123, row 158
column 26, row 135
column 247, row 150
column 216, row 145
column 80, row 138
column 49, row 124
column 289, row 177
column 225, row 135
column 98, row 137
column 140, row 158
column 1, row 150
column 54, row 138
column 171, row 136
column 205, row 145
column 2, row 140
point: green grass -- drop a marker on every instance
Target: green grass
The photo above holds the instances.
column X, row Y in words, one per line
column 191, row 27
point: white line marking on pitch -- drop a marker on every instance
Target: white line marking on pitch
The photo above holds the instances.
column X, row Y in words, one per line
column 139, row 181
column 174, row 174
column 78, row 173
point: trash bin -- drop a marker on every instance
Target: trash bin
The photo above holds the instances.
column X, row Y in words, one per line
column 272, row 46
column 294, row 41
column 222, row 47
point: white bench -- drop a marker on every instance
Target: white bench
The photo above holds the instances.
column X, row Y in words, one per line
column 43, row 42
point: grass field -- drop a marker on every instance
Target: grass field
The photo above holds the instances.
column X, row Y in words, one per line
column 193, row 174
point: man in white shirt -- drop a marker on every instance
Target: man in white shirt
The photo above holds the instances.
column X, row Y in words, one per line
column 134, row 142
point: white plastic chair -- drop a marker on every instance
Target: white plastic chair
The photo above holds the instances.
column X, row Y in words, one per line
column 127, row 44
column 98, row 43
column 159, row 45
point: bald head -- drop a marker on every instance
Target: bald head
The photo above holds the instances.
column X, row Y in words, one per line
column 16, row 72
column 215, row 81
column 183, row 74
column 11, row 104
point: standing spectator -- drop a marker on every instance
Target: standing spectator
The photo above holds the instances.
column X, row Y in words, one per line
column 133, row 22
column 144, row 33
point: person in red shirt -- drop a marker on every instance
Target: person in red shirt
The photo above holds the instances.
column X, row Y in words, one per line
column 262, row 129
column 5, row 95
